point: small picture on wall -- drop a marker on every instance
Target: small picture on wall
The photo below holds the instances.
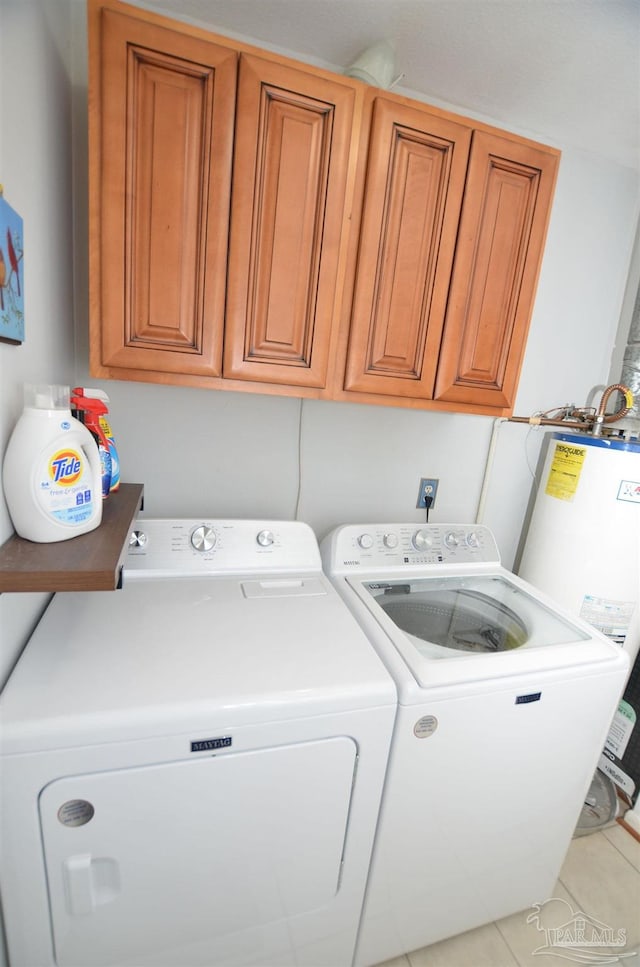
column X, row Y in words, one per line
column 11, row 274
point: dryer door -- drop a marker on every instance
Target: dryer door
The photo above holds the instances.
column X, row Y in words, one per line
column 203, row 861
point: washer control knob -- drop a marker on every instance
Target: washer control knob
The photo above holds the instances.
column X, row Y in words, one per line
column 451, row 540
column 265, row 538
column 473, row 539
column 422, row 540
column 390, row 540
column 203, row 538
column 138, row 539
column 365, row 541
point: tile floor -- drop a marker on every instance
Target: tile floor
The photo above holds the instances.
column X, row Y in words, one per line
column 600, row 877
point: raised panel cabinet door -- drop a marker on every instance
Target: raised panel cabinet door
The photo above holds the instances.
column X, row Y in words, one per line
column 162, row 111
column 502, row 231
column 413, row 195
column 288, row 217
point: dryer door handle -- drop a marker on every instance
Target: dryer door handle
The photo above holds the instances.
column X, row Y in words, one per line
column 89, row 882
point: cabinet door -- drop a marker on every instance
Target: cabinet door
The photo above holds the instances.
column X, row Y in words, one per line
column 413, row 194
column 291, row 167
column 502, row 231
column 161, row 113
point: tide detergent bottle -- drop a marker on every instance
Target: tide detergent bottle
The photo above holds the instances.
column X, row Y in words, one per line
column 98, row 394
column 51, row 473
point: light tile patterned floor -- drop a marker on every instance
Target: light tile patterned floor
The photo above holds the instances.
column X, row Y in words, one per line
column 600, row 878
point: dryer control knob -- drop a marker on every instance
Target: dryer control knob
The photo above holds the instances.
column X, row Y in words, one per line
column 265, row 538
column 421, row 540
column 390, row 540
column 365, row 541
column 138, row 539
column 203, row 538
column 473, row 539
column 451, row 539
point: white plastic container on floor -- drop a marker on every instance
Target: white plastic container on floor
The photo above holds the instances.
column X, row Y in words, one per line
column 51, row 473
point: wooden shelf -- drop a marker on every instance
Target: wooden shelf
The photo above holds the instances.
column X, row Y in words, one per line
column 90, row 562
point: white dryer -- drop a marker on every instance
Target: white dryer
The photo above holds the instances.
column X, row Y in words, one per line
column 504, row 705
column 192, row 766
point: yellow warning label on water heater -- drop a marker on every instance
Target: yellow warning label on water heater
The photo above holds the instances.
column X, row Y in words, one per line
column 564, row 474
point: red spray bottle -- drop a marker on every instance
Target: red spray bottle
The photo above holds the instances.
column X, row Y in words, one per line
column 88, row 411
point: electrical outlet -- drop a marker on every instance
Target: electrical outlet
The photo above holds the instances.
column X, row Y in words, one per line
column 428, row 488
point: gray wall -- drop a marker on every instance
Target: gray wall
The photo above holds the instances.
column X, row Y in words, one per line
column 228, row 454
column 35, row 170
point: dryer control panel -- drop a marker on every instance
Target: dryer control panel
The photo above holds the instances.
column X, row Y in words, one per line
column 371, row 546
column 193, row 547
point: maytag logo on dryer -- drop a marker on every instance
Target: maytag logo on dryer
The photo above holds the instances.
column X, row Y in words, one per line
column 351, row 563
column 211, row 745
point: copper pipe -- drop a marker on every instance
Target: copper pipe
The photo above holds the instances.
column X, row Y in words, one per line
column 581, row 419
column 542, row 421
column 622, row 411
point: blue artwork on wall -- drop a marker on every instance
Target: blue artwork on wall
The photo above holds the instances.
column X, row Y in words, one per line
column 11, row 274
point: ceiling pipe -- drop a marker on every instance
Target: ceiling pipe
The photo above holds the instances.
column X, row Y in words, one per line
column 375, row 66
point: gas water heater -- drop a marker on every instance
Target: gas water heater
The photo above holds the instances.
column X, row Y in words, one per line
column 583, row 543
column 583, row 549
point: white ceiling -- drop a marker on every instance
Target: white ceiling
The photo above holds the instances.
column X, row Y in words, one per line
column 565, row 71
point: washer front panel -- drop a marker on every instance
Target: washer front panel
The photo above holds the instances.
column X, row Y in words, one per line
column 372, row 547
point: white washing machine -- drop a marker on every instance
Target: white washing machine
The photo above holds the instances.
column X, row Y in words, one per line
column 192, row 766
column 504, row 704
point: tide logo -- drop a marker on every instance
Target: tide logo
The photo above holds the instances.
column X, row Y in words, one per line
column 65, row 467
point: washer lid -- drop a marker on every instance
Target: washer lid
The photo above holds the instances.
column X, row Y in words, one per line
column 473, row 626
column 451, row 617
column 106, row 666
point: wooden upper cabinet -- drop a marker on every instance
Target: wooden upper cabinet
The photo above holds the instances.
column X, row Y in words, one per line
column 162, row 106
column 289, row 216
column 502, row 231
column 453, row 224
column 416, row 166
column 260, row 224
